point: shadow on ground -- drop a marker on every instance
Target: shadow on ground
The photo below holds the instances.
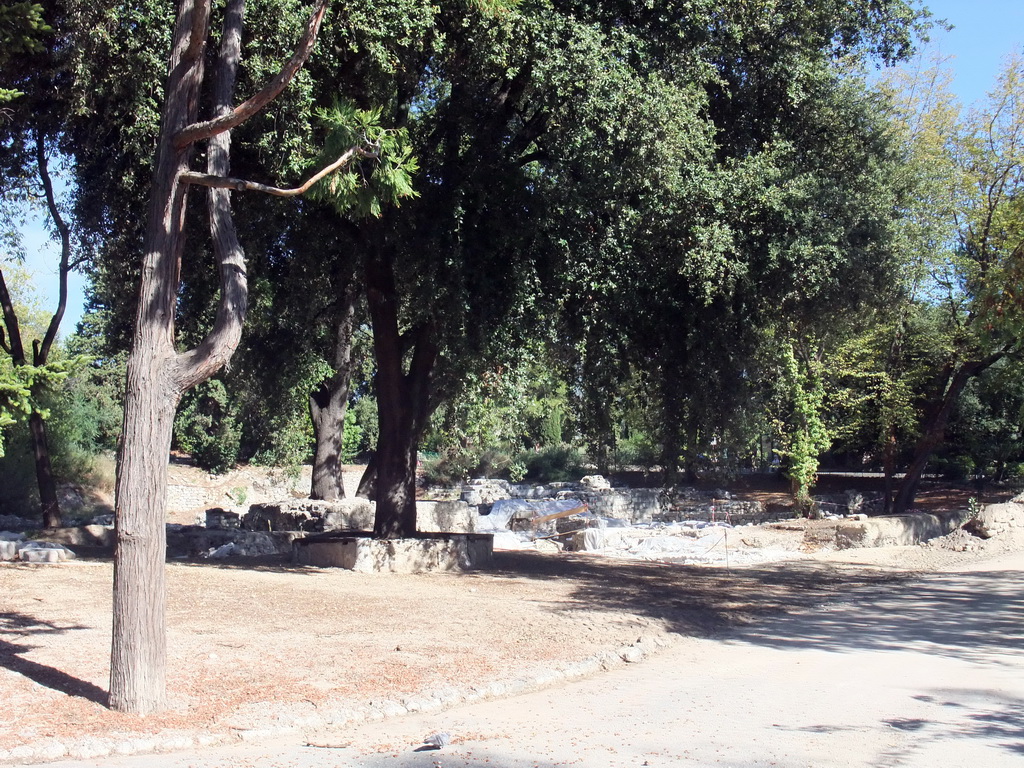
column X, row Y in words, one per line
column 22, row 625
column 693, row 599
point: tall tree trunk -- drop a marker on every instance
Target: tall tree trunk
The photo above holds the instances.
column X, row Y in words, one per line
column 402, row 403
column 138, row 659
column 328, row 405
column 45, row 480
column 935, row 430
column 157, row 374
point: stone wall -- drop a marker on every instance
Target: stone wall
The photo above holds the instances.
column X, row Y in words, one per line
column 635, row 505
column 311, row 516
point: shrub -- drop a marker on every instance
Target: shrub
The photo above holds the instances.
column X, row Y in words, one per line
column 561, row 463
column 206, row 427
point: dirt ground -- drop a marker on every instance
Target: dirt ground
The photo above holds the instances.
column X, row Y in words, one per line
column 254, row 645
column 257, row 644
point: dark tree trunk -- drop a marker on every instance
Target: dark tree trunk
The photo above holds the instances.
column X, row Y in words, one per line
column 935, row 430
column 402, row 403
column 44, row 472
column 368, row 482
column 889, row 470
column 327, row 407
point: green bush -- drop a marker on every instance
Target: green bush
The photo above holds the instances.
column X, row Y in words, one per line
column 561, row 463
column 352, row 439
column 206, row 428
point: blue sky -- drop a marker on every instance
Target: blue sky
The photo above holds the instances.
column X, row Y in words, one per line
column 985, row 32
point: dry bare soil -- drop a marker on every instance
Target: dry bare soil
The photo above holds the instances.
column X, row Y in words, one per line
column 256, row 645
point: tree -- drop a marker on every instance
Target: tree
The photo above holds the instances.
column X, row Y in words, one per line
column 158, row 374
column 32, row 120
column 785, row 218
column 976, row 283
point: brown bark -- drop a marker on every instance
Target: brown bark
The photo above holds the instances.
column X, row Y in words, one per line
column 157, row 374
column 328, row 405
column 368, row 482
column 935, row 429
column 138, row 659
column 402, row 403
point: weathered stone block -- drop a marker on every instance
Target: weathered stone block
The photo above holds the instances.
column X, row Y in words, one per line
column 445, row 517
column 454, row 552
column 895, row 530
column 311, row 515
column 43, row 552
column 999, row 517
column 222, row 518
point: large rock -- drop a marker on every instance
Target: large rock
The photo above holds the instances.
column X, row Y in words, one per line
column 311, row 515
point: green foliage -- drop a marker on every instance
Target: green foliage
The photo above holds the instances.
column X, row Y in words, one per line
column 22, row 29
column 803, row 431
column 354, row 190
column 206, row 427
column 352, row 439
column 364, row 412
column 556, row 463
column 986, row 433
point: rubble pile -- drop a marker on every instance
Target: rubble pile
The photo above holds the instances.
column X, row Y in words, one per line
column 15, row 546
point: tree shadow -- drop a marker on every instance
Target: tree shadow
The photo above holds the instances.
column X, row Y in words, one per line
column 974, row 714
column 691, row 600
column 20, row 624
column 973, row 616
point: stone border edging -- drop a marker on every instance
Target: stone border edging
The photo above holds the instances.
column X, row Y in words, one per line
column 337, row 714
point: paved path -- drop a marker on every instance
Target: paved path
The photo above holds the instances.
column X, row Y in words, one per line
column 925, row 675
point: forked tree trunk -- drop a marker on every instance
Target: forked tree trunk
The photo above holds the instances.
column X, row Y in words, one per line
column 157, row 374
column 328, row 405
column 138, row 660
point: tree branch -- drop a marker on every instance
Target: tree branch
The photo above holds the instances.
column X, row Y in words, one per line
column 216, row 348
column 41, row 352
column 235, row 117
column 242, row 185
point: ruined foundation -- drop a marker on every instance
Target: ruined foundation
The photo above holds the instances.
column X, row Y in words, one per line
column 428, row 552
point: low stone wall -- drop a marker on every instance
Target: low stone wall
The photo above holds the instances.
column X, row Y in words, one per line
column 444, row 552
column 635, row 505
column 311, row 516
column 718, row 511
column 197, row 541
column 897, row 530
